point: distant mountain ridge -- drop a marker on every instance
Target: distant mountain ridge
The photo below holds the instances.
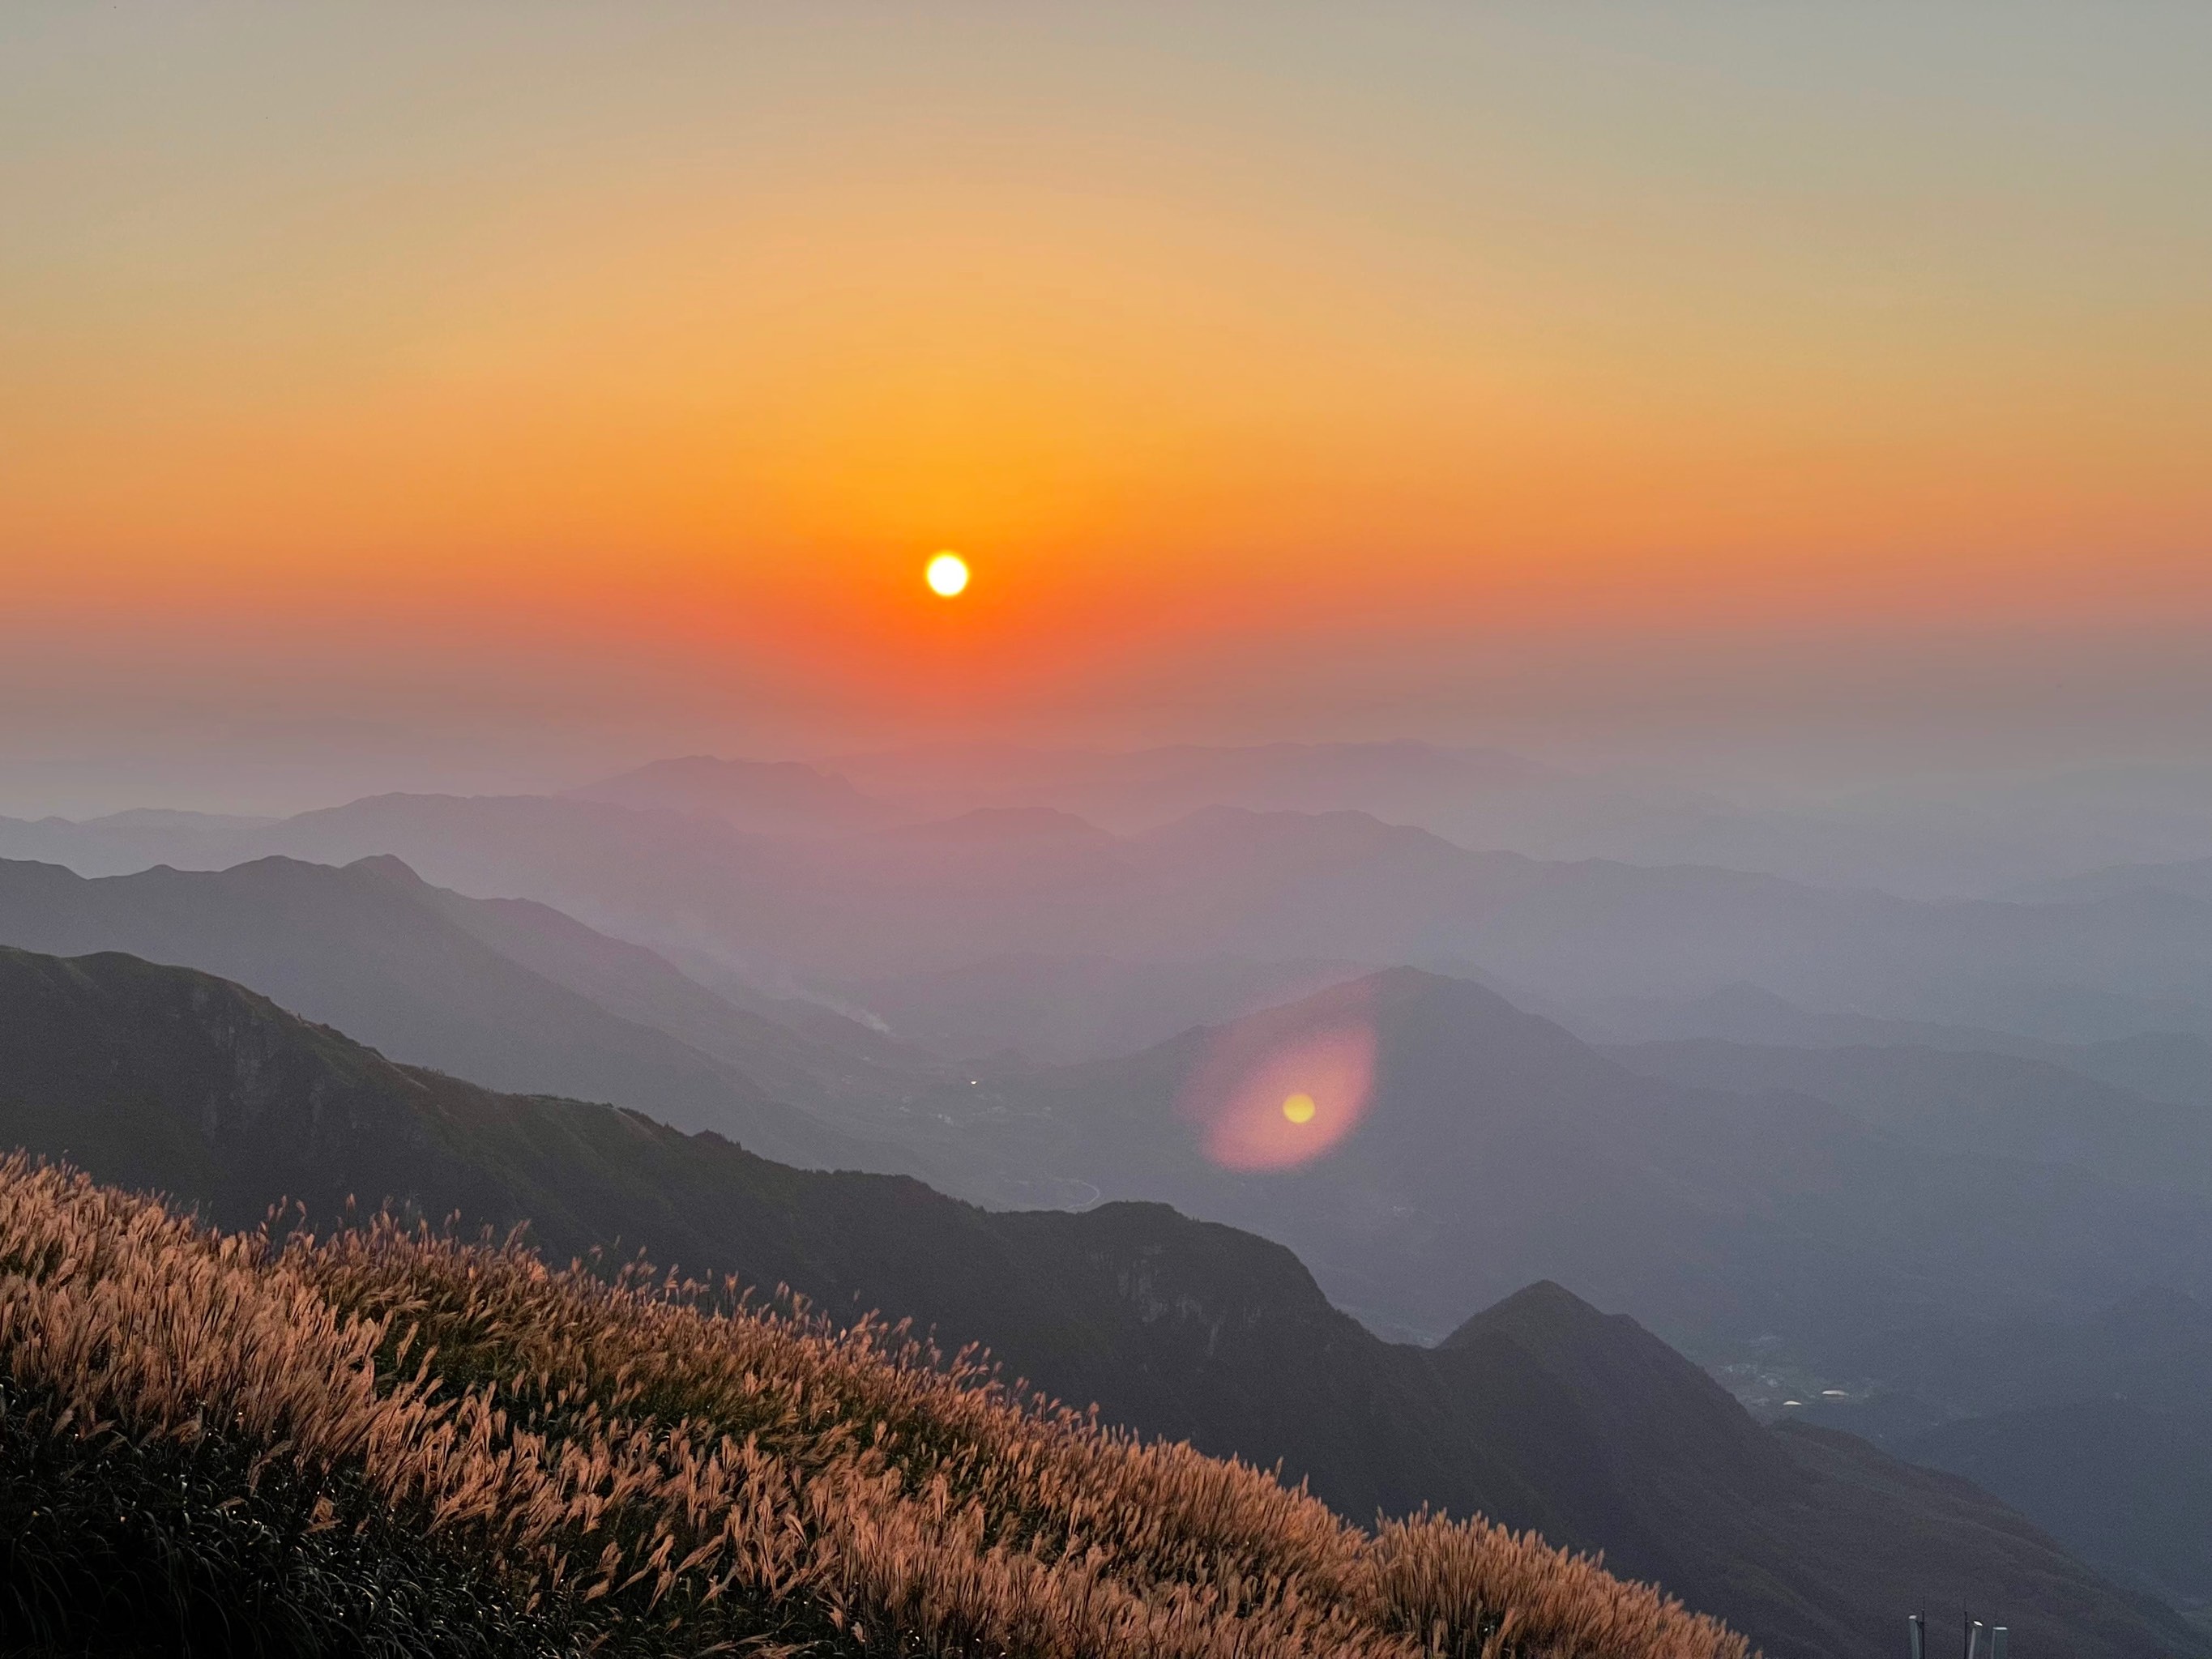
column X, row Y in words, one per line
column 1540, row 1410
column 2185, row 879
column 1495, row 1148
column 2100, row 1427
column 2173, row 1067
column 506, row 993
column 1066, row 1010
column 1961, row 1102
column 839, row 910
column 121, row 843
column 1968, row 838
column 766, row 795
column 1500, row 1149
column 1135, row 789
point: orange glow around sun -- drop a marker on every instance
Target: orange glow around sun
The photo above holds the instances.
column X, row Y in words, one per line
column 1226, row 396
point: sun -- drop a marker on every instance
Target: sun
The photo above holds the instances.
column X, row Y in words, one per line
column 947, row 575
column 1299, row 1107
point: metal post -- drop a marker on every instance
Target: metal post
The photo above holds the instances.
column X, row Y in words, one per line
column 1973, row 1638
column 1997, row 1642
column 1918, row 1624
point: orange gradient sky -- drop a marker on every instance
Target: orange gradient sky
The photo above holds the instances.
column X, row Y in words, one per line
column 576, row 364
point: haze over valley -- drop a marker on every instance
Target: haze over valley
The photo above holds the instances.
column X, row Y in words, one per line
column 1790, row 1128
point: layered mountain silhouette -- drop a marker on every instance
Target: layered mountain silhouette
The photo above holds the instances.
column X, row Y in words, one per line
column 768, row 795
column 2100, row 1427
column 1496, row 1148
column 2172, row 1067
column 506, row 992
column 1994, row 1105
column 1983, row 837
column 2124, row 1485
column 1540, row 1411
column 1336, row 886
column 120, row 842
column 1062, row 1010
column 1484, row 795
column 2180, row 878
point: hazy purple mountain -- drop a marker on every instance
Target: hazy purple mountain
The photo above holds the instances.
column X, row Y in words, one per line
column 2188, row 878
column 123, row 841
column 778, row 911
column 1953, row 838
column 508, row 995
column 1064, row 1010
column 1496, row 1147
column 1996, row 1105
column 1136, row 789
column 766, row 795
column 1947, row 839
column 2173, row 1067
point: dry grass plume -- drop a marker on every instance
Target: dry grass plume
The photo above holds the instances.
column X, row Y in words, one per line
column 393, row 1441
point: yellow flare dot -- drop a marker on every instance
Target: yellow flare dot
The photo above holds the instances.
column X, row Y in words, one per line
column 1299, row 1109
column 947, row 575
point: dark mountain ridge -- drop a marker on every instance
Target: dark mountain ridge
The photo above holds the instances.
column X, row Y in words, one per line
column 1540, row 1411
column 2100, row 1427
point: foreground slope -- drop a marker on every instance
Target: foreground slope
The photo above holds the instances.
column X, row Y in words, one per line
column 1542, row 1413
column 386, row 1443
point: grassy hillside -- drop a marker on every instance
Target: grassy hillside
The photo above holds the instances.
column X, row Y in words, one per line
column 1542, row 1415
column 386, row 1441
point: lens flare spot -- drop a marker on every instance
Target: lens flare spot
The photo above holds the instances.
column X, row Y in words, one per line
column 947, row 575
column 1282, row 1088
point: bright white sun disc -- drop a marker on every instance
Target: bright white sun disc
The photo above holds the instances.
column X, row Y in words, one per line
column 947, row 573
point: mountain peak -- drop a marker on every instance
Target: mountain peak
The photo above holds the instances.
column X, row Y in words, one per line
column 387, row 866
column 1632, row 1391
column 1545, row 1311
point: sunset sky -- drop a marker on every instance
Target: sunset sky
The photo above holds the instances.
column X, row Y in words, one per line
column 415, row 385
